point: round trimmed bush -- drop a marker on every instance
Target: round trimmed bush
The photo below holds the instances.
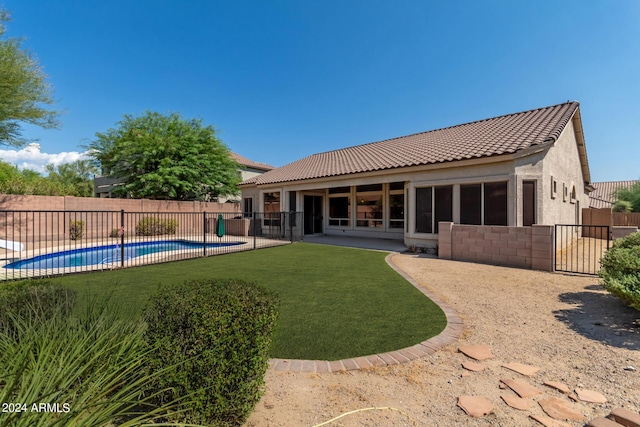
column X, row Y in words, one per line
column 217, row 333
column 620, row 270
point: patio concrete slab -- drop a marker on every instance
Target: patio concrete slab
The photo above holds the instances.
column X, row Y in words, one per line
column 387, row 245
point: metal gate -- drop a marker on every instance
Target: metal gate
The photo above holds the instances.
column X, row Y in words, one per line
column 578, row 248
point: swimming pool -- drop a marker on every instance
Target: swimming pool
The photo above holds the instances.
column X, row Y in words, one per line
column 108, row 254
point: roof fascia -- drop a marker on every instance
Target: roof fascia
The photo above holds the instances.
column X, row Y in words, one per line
column 582, row 148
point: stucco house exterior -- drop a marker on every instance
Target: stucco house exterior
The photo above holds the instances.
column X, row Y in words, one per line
column 513, row 170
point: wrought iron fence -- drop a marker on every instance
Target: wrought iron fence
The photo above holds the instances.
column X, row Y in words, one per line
column 46, row 243
column 578, row 248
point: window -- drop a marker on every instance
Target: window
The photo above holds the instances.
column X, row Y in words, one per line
column 528, row 203
column 572, row 196
column 369, row 206
column 444, row 205
column 272, row 208
column 396, row 205
column 340, row 211
column 433, row 204
column 488, row 200
column 247, row 208
column 424, row 210
column 554, row 188
column 495, row 203
column 471, row 204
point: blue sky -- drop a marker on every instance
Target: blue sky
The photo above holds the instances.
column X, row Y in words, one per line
column 280, row 80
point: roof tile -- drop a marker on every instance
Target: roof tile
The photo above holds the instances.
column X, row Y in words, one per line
column 495, row 136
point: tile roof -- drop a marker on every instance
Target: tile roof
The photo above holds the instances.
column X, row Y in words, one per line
column 604, row 194
column 499, row 135
column 243, row 161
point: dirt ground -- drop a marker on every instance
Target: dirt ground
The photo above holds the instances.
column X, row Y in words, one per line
column 568, row 326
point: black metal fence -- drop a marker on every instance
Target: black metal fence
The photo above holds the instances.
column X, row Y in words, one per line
column 46, row 243
column 578, row 248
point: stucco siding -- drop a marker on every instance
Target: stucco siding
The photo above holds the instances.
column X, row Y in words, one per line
column 562, row 166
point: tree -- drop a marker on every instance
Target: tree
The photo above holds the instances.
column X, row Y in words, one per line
column 166, row 157
column 23, row 90
column 76, row 176
column 631, row 195
column 14, row 181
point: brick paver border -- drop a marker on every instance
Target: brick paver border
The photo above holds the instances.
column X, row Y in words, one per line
column 449, row 335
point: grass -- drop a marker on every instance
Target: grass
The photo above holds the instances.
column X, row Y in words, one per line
column 335, row 302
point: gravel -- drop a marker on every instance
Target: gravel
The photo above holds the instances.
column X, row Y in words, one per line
column 567, row 326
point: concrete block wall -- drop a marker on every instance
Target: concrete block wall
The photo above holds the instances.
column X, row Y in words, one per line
column 34, row 226
column 523, row 247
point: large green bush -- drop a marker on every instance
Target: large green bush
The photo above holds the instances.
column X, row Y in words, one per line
column 151, row 226
column 620, row 271
column 218, row 333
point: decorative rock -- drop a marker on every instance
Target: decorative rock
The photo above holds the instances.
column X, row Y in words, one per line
column 558, row 386
column 602, row 422
column 516, row 402
column 629, row 368
column 548, row 422
column 472, row 366
column 557, row 408
column 590, row 396
column 478, row 352
column 475, row 406
column 522, row 389
column 521, row 368
column 625, row 417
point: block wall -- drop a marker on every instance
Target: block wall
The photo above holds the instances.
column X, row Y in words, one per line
column 523, row 247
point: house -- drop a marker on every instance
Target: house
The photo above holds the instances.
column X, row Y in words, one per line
column 104, row 185
column 604, row 193
column 514, row 170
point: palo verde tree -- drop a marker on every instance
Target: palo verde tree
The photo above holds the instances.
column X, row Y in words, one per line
column 166, row 157
column 24, row 92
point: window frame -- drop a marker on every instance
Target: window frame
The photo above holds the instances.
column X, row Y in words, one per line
column 378, row 223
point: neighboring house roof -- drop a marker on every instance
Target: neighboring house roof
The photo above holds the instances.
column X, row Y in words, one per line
column 604, row 195
column 490, row 137
column 243, row 161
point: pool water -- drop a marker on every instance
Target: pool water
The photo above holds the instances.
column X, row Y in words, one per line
column 107, row 254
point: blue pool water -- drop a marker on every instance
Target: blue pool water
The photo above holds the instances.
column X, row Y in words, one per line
column 107, row 254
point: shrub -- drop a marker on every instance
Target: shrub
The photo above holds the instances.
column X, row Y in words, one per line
column 76, row 229
column 620, row 270
column 32, row 300
column 219, row 333
column 151, row 226
column 115, row 233
column 622, row 206
column 90, row 368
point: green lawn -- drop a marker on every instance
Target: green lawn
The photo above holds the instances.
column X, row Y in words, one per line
column 335, row 302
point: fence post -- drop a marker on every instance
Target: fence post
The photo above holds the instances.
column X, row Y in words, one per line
column 122, row 238
column 291, row 213
column 204, row 233
column 255, row 220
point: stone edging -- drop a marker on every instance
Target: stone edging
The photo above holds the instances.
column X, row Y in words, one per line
column 449, row 335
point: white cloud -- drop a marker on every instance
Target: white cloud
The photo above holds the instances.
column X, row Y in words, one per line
column 30, row 157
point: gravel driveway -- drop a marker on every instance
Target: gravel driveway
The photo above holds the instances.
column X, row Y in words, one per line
column 568, row 326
